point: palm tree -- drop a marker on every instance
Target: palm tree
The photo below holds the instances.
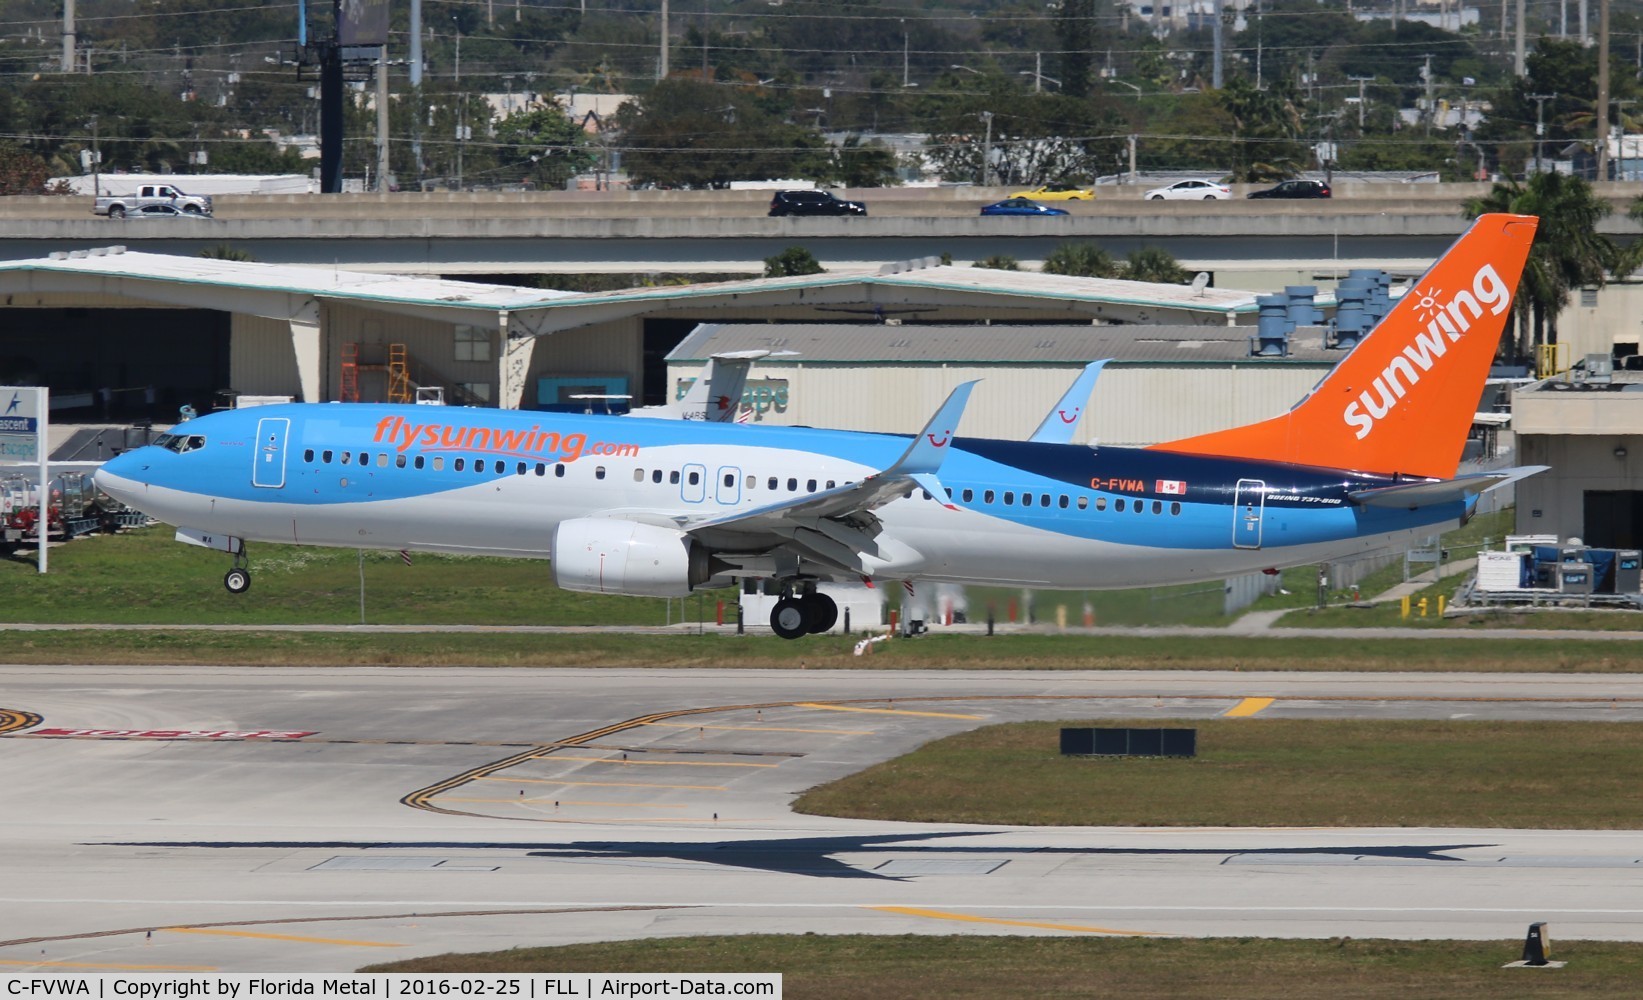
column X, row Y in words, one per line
column 1081, row 260
column 1568, row 251
column 1155, row 264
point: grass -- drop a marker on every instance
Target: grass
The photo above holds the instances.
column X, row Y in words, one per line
column 686, row 649
column 1267, row 772
column 847, row 967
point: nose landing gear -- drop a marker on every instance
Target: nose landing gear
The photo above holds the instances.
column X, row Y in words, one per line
column 238, row 579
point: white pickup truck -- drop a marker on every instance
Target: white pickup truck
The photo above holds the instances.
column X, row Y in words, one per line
column 118, row 206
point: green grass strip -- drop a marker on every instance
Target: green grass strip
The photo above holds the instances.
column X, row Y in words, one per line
column 862, row 967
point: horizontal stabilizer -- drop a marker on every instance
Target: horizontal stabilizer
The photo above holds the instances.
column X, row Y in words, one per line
column 1427, row 494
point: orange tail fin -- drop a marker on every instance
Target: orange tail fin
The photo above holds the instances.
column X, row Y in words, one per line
column 1403, row 399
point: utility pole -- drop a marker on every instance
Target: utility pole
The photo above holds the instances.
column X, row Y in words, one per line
column 416, row 43
column 1540, row 123
column 1431, row 101
column 1360, row 80
column 905, row 78
column 68, row 36
column 661, row 66
column 986, row 148
column 1602, row 89
column 1215, row 73
column 1133, row 176
column 382, row 118
column 1520, row 65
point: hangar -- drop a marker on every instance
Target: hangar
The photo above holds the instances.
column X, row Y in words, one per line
column 1590, row 431
column 110, row 317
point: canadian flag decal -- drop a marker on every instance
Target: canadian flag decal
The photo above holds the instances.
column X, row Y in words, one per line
column 1174, row 486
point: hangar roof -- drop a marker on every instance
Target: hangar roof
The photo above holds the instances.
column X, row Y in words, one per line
column 282, row 291
column 840, row 343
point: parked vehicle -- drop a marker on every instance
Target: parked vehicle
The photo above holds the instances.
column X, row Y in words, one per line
column 118, row 206
column 1058, row 192
column 1295, row 189
column 813, row 203
column 1020, row 206
column 1190, row 190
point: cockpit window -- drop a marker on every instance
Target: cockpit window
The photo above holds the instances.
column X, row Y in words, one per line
column 180, row 443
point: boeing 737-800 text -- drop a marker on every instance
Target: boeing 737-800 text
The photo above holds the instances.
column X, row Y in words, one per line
column 662, row 507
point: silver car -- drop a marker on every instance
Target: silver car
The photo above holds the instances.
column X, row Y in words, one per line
column 1193, row 190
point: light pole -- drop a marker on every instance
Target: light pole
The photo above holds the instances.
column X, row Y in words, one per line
column 1038, row 79
column 1132, row 86
column 1540, row 123
column 986, row 148
column 967, row 69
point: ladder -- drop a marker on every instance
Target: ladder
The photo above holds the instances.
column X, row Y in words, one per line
column 349, row 391
column 399, row 381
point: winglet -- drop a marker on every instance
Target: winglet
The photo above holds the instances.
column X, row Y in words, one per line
column 929, row 449
column 1062, row 420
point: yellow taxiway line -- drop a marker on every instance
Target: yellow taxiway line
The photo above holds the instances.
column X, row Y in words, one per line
column 281, row 937
column 607, row 784
column 1248, row 707
column 911, row 911
column 884, row 711
column 656, row 763
column 768, row 729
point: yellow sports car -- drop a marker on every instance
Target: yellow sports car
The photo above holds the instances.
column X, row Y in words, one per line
column 1058, row 192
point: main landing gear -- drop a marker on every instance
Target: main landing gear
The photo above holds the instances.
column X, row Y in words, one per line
column 238, row 579
column 803, row 614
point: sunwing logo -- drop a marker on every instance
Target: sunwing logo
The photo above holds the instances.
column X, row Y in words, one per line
column 1446, row 323
column 403, row 435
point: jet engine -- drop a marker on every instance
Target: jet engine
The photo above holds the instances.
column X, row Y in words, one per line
column 611, row 556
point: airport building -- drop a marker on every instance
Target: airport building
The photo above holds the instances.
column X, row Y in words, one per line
column 195, row 327
column 1590, row 432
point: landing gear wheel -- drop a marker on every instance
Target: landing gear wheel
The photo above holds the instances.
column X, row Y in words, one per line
column 788, row 618
column 237, row 580
column 822, row 611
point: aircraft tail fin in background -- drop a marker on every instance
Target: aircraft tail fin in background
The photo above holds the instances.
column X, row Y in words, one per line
column 1058, row 425
column 1403, row 400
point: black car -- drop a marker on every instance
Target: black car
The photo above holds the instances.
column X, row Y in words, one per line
column 813, row 203
column 1295, row 189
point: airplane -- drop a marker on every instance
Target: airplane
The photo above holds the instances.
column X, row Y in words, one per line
column 716, row 395
column 1368, row 459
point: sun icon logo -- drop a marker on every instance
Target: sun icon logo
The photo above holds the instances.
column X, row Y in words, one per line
column 1427, row 305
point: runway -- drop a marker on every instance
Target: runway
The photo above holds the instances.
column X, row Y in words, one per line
column 269, row 819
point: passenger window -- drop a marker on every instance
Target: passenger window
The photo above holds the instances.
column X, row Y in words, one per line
column 308, row 456
column 969, row 495
column 364, row 458
column 439, row 463
column 1063, row 501
column 382, row 460
column 1118, row 505
column 599, row 472
column 399, row 461
column 1175, row 509
column 519, row 470
column 987, row 497
column 695, row 477
column 926, row 494
column 1140, row 506
column 325, row 458
column 559, row 470
column 459, row 464
column 1158, row 506
column 420, row 462
column 752, row 482
column 1026, row 499
column 1009, row 496
column 830, row 484
column 479, row 465
column 792, row 485
column 673, row 478
column 347, row 457
column 771, row 483
column 638, row 475
column 730, row 479
column 1083, row 503
column 810, row 486
column 1044, row 500
column 656, row 475
column 541, row 468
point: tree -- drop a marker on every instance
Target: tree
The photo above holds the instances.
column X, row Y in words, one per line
column 21, row 172
column 791, row 263
column 1075, row 21
column 999, row 262
column 1568, row 251
column 1266, row 127
column 1081, row 260
column 687, row 133
column 864, row 164
column 1155, row 264
column 544, row 146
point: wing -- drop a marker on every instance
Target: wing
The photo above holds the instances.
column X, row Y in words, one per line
column 1062, row 420
column 1437, row 491
column 837, row 526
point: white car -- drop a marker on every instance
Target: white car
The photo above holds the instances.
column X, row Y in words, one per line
column 1193, row 190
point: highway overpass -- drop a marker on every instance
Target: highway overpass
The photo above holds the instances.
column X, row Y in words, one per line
column 1401, row 227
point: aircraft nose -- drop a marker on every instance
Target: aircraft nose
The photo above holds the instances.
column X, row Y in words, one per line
column 118, row 478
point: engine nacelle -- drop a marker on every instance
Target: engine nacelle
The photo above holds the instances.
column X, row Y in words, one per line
column 599, row 555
